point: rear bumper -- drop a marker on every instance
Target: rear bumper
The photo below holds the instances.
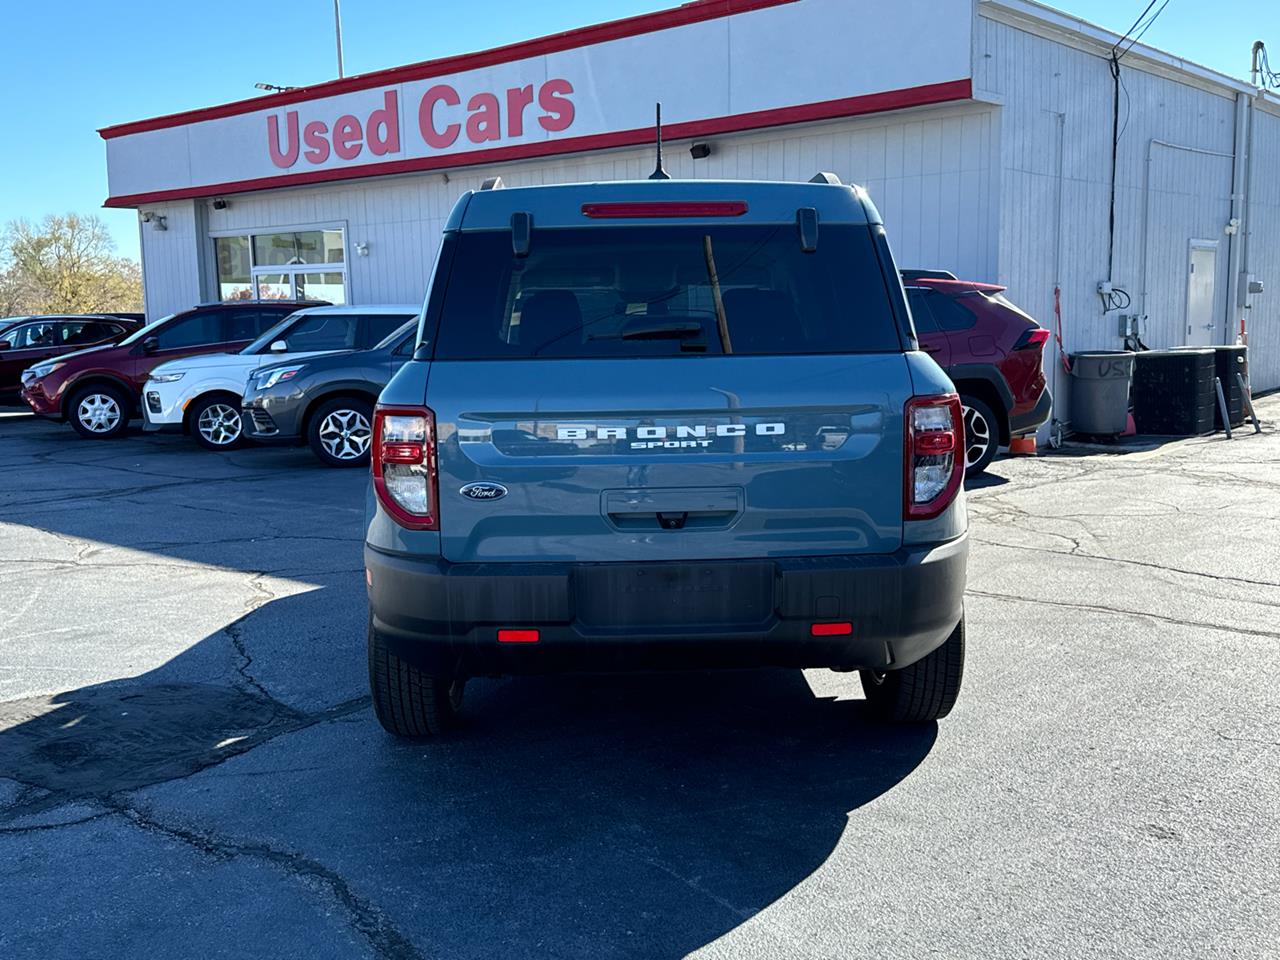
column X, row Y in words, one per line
column 445, row 617
column 1028, row 421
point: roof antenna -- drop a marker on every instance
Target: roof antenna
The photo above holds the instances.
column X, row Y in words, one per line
column 658, row 172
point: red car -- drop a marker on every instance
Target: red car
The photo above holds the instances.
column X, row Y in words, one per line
column 26, row 341
column 992, row 351
column 100, row 389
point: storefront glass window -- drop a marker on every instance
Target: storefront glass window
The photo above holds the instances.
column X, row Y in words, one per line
column 234, row 268
column 306, row 247
column 321, row 286
column 302, row 265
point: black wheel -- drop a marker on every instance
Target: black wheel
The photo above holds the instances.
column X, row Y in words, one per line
column 100, row 411
column 410, row 702
column 922, row 692
column 215, row 422
column 981, row 435
column 341, row 431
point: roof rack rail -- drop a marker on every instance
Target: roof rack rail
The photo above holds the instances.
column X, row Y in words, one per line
column 492, row 183
column 822, row 176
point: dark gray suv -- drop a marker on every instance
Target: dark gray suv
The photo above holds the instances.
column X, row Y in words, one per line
column 326, row 401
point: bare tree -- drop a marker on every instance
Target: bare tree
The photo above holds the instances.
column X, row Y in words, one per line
column 65, row 264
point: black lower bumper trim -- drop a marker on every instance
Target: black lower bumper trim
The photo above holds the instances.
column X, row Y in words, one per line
column 1023, row 423
column 445, row 617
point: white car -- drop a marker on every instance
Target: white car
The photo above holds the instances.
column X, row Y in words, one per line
column 201, row 395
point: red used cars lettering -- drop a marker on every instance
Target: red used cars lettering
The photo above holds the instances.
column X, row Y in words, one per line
column 347, row 137
column 553, row 98
column 313, row 135
column 440, row 123
column 440, row 139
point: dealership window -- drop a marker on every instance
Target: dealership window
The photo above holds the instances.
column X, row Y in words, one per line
column 298, row 265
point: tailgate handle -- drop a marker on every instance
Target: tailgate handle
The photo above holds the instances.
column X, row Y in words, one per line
column 673, row 508
column 672, row 521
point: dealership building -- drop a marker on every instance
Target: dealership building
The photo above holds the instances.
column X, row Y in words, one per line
column 982, row 130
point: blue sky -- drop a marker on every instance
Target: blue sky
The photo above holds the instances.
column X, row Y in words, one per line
column 71, row 66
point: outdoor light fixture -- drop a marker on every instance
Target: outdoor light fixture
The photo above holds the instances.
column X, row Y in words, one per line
column 700, row 151
column 362, row 248
column 273, row 88
column 158, row 221
column 220, row 204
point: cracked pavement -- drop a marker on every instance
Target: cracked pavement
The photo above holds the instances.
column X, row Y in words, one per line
column 189, row 766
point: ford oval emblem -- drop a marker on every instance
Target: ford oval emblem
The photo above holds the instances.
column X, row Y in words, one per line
column 484, row 490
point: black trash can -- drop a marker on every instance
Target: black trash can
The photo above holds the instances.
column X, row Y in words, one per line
column 1173, row 392
column 1100, row 383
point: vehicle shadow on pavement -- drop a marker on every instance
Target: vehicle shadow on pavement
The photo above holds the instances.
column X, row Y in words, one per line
column 641, row 815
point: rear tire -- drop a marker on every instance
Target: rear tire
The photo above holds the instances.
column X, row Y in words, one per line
column 410, row 702
column 100, row 411
column 922, row 692
column 981, row 435
column 216, row 423
column 341, row 431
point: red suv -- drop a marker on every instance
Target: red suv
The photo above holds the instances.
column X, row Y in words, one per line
column 25, row 341
column 993, row 353
column 99, row 390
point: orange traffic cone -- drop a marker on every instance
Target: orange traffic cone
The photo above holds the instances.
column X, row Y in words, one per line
column 1023, row 446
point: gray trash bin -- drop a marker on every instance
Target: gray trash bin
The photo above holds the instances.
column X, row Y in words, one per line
column 1100, row 384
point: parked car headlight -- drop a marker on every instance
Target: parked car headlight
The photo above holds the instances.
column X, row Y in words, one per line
column 270, row 378
column 43, row 369
column 167, row 377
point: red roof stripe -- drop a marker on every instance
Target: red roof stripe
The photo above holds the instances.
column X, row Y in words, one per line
column 694, row 12
column 827, row 110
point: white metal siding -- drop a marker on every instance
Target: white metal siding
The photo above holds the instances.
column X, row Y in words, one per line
column 1189, row 199
column 1264, row 251
column 930, row 172
column 171, row 258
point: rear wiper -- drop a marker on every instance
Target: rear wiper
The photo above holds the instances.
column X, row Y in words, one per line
column 662, row 331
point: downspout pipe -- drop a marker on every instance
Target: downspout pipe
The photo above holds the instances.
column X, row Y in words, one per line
column 1235, row 232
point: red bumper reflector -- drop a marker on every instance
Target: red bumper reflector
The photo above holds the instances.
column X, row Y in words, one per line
column 668, row 208
column 517, row 636
column 831, row 629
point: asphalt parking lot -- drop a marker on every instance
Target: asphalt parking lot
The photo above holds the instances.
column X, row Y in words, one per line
column 189, row 765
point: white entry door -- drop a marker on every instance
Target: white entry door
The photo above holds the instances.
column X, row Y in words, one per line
column 1202, row 268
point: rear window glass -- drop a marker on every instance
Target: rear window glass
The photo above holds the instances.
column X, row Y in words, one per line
column 665, row 291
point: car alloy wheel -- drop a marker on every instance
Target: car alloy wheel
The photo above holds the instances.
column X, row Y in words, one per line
column 977, row 435
column 219, row 424
column 345, row 434
column 99, row 412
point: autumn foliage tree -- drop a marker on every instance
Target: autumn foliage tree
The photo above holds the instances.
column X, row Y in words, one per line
column 65, row 264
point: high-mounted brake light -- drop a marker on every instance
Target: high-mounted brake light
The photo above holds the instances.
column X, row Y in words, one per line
column 1033, row 338
column 665, row 208
column 404, row 465
column 933, row 455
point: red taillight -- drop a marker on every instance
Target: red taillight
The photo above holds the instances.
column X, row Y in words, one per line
column 933, row 451
column 830, row 629
column 517, row 636
column 1033, row 339
column 671, row 208
column 404, row 465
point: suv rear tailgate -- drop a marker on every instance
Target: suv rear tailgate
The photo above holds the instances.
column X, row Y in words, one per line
column 648, row 460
